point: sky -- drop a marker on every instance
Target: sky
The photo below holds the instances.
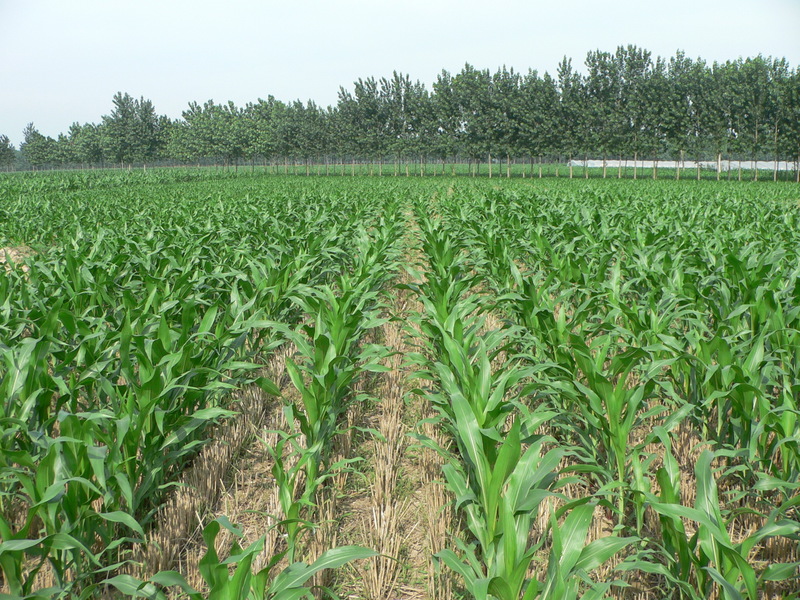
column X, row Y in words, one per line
column 61, row 61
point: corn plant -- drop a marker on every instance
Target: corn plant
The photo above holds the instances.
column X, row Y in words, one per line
column 233, row 578
column 500, row 484
column 332, row 355
column 708, row 559
column 129, row 339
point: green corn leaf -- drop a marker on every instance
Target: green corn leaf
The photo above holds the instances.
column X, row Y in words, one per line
column 124, row 518
column 599, row 551
column 298, row 573
column 134, row 588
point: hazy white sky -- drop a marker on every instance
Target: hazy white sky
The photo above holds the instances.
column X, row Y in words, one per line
column 62, row 60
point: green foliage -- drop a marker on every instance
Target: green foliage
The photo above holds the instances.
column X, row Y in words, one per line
column 626, row 321
column 121, row 342
column 618, row 323
column 629, row 104
column 243, row 583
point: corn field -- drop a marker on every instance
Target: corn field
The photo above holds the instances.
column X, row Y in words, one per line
column 232, row 386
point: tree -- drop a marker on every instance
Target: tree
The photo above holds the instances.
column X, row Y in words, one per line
column 372, row 119
column 778, row 103
column 655, row 88
column 87, row 141
column 64, row 152
column 214, row 131
column 8, row 155
column 717, row 111
column 413, row 123
column 540, row 129
column 506, row 108
column 604, row 111
column 302, row 131
column 447, row 118
column 752, row 84
column 364, row 116
column 678, row 118
column 634, row 64
column 571, row 111
column 629, row 103
column 790, row 124
column 232, row 135
column 132, row 130
column 119, row 139
column 266, row 119
column 36, row 148
column 471, row 94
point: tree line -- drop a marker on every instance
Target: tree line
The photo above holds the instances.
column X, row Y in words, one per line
column 628, row 105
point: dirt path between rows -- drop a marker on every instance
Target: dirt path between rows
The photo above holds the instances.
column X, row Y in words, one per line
column 393, row 503
column 15, row 255
column 404, row 513
column 400, row 509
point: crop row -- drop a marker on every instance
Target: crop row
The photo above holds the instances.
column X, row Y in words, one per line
column 645, row 328
column 121, row 343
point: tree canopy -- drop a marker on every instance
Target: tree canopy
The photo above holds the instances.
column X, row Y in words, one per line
column 626, row 104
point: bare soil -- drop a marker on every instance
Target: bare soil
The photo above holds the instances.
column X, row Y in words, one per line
column 15, row 255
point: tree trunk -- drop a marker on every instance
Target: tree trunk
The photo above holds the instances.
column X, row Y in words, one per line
column 678, row 167
column 604, row 165
column 739, row 164
column 719, row 165
column 586, row 166
column 407, row 174
column 698, row 168
column 540, row 167
column 655, row 169
column 490, row 165
column 380, row 167
column 775, row 172
column 619, row 168
column 635, row 159
column 755, row 150
column 508, row 166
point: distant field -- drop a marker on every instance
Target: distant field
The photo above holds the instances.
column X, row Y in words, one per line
column 534, row 167
column 509, row 388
